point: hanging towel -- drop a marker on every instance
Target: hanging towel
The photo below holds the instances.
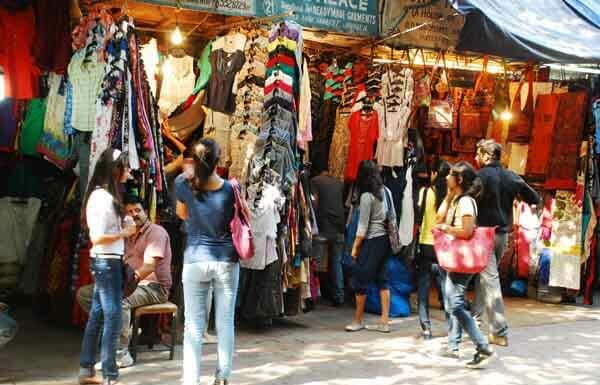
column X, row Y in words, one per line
column 407, row 219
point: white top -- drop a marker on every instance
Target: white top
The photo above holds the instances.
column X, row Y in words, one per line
column 178, row 83
column 102, row 219
column 149, row 53
column 465, row 207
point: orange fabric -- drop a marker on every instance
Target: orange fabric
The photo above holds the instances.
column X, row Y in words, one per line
column 364, row 131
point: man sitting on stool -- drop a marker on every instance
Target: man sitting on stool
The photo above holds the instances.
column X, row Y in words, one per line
column 148, row 252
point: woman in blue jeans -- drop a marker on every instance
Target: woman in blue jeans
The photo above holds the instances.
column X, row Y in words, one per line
column 456, row 217
column 102, row 215
column 206, row 203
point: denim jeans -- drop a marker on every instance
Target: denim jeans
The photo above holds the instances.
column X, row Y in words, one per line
column 336, row 248
column 488, row 292
column 106, row 304
column 427, row 268
column 197, row 279
column 455, row 288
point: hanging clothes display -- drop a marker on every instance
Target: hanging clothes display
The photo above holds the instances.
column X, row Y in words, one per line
column 51, row 46
column 278, row 197
column 53, row 144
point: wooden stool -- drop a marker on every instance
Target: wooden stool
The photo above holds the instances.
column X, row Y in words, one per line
column 162, row 308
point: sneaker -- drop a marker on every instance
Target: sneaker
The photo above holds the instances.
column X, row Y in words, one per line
column 209, row 339
column 110, row 381
column 451, row 354
column 381, row 328
column 498, row 340
column 126, row 360
column 354, row 327
column 481, row 359
column 426, row 335
column 221, row 382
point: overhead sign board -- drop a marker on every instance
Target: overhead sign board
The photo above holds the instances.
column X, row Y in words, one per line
column 356, row 17
column 433, row 24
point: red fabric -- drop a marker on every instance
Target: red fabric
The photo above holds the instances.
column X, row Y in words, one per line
column 364, row 131
column 188, row 103
column 17, row 30
column 281, row 59
column 541, row 136
column 279, row 85
column 52, row 44
column 562, row 165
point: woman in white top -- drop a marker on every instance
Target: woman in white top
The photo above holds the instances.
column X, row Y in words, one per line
column 456, row 217
column 102, row 215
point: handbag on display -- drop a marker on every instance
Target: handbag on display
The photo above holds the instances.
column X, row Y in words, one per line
column 465, row 256
column 519, row 129
column 391, row 226
column 240, row 225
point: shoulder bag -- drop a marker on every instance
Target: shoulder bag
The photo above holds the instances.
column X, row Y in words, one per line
column 391, row 226
column 466, row 256
column 240, row 225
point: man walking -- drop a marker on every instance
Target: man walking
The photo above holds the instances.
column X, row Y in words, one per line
column 500, row 188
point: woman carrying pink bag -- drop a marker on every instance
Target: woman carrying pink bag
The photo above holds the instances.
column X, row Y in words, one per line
column 456, row 218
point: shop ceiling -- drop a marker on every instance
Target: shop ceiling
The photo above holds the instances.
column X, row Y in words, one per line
column 441, row 27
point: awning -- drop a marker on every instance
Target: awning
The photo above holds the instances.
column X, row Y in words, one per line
column 588, row 9
column 548, row 31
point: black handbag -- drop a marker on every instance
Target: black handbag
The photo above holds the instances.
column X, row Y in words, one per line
column 391, row 226
column 130, row 281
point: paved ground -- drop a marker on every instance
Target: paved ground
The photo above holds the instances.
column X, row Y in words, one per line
column 548, row 345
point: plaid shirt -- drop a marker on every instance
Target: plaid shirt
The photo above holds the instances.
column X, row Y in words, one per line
column 86, row 80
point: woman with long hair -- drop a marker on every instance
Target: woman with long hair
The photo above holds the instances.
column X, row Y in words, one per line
column 102, row 214
column 457, row 218
column 430, row 199
column 206, row 202
column 371, row 247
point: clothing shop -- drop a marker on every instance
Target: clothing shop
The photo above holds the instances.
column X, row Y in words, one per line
column 287, row 91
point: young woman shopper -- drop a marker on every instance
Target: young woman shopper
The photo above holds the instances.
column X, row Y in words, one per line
column 371, row 247
column 456, row 217
column 430, row 199
column 206, row 203
column 102, row 214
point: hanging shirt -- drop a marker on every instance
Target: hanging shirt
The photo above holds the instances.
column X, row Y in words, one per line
column 204, row 68
column 407, row 219
column 304, row 110
column 53, row 143
column 86, row 77
column 178, row 83
column 149, row 54
column 17, row 31
column 33, row 125
column 363, row 135
column 225, row 66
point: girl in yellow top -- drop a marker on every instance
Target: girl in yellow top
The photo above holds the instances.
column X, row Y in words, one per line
column 430, row 199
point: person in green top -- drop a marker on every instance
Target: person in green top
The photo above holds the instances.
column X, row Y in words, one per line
column 430, row 199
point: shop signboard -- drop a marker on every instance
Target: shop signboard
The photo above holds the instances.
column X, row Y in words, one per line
column 440, row 23
column 356, row 17
column 225, row 7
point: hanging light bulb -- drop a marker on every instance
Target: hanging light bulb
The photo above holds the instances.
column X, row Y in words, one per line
column 176, row 36
column 506, row 115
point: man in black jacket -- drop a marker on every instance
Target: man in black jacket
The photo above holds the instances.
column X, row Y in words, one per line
column 500, row 188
